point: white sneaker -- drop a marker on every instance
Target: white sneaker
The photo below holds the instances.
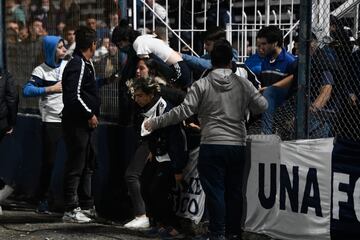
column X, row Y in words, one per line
column 5, row 192
column 75, row 216
column 138, row 222
column 90, row 213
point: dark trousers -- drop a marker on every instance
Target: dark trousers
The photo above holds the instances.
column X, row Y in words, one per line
column 157, row 181
column 79, row 166
column 132, row 177
column 182, row 75
column 221, row 175
column 51, row 134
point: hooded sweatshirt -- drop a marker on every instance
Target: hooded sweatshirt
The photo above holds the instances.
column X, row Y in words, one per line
column 44, row 75
column 220, row 100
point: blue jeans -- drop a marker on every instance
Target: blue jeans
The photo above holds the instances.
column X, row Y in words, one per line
column 221, row 175
column 276, row 97
column 319, row 125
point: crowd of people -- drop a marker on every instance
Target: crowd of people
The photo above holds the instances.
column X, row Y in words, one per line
column 174, row 102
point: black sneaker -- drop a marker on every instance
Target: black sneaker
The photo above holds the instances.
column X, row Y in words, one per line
column 43, row 207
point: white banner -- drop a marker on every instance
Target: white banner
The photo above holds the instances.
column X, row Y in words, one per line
column 189, row 199
column 289, row 188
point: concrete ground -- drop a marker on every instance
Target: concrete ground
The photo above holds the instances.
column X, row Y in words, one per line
column 21, row 222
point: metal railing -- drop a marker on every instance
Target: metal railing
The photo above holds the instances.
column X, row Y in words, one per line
column 241, row 33
column 245, row 20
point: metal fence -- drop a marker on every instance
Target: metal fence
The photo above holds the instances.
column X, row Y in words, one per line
column 331, row 100
column 333, row 85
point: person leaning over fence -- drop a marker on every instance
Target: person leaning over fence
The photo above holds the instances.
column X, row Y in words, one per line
column 80, row 120
column 45, row 82
column 220, row 100
column 277, row 73
column 144, row 45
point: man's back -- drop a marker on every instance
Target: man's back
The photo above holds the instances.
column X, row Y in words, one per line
column 224, row 100
column 220, row 100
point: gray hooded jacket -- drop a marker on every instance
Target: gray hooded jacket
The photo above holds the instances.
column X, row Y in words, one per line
column 220, row 100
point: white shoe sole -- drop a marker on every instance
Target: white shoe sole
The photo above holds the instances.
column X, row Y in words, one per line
column 71, row 220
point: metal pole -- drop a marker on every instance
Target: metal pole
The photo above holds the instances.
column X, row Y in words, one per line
column 2, row 34
column 179, row 20
column 122, row 5
column 134, row 15
column 267, row 12
column 304, row 68
column 280, row 13
column 356, row 21
column 217, row 12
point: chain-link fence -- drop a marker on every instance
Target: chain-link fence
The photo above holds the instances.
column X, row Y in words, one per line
column 28, row 21
column 332, row 89
column 333, row 86
column 332, row 92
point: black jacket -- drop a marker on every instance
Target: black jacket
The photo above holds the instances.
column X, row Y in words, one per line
column 168, row 140
column 8, row 101
column 80, row 94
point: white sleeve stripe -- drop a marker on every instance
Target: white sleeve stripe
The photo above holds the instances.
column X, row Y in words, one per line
column 79, row 86
column 275, row 72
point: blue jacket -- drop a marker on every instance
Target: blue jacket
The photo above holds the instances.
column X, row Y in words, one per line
column 254, row 63
column 36, row 85
column 204, row 62
column 47, row 74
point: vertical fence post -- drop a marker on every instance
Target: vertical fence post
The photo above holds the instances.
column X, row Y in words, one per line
column 134, row 15
column 267, row 12
column 122, row 5
column 2, row 34
column 304, row 68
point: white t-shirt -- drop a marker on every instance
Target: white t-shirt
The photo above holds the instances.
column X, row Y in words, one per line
column 50, row 105
column 148, row 43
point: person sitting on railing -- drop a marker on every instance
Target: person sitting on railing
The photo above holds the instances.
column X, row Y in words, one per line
column 144, row 45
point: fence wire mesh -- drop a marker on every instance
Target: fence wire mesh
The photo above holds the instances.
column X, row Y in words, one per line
column 333, row 87
column 28, row 21
column 332, row 97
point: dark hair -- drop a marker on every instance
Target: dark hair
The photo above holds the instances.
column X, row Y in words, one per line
column 221, row 54
column 272, row 34
column 124, row 32
column 34, row 19
column 152, row 65
column 69, row 27
column 147, row 85
column 84, row 37
column 214, row 33
column 91, row 16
